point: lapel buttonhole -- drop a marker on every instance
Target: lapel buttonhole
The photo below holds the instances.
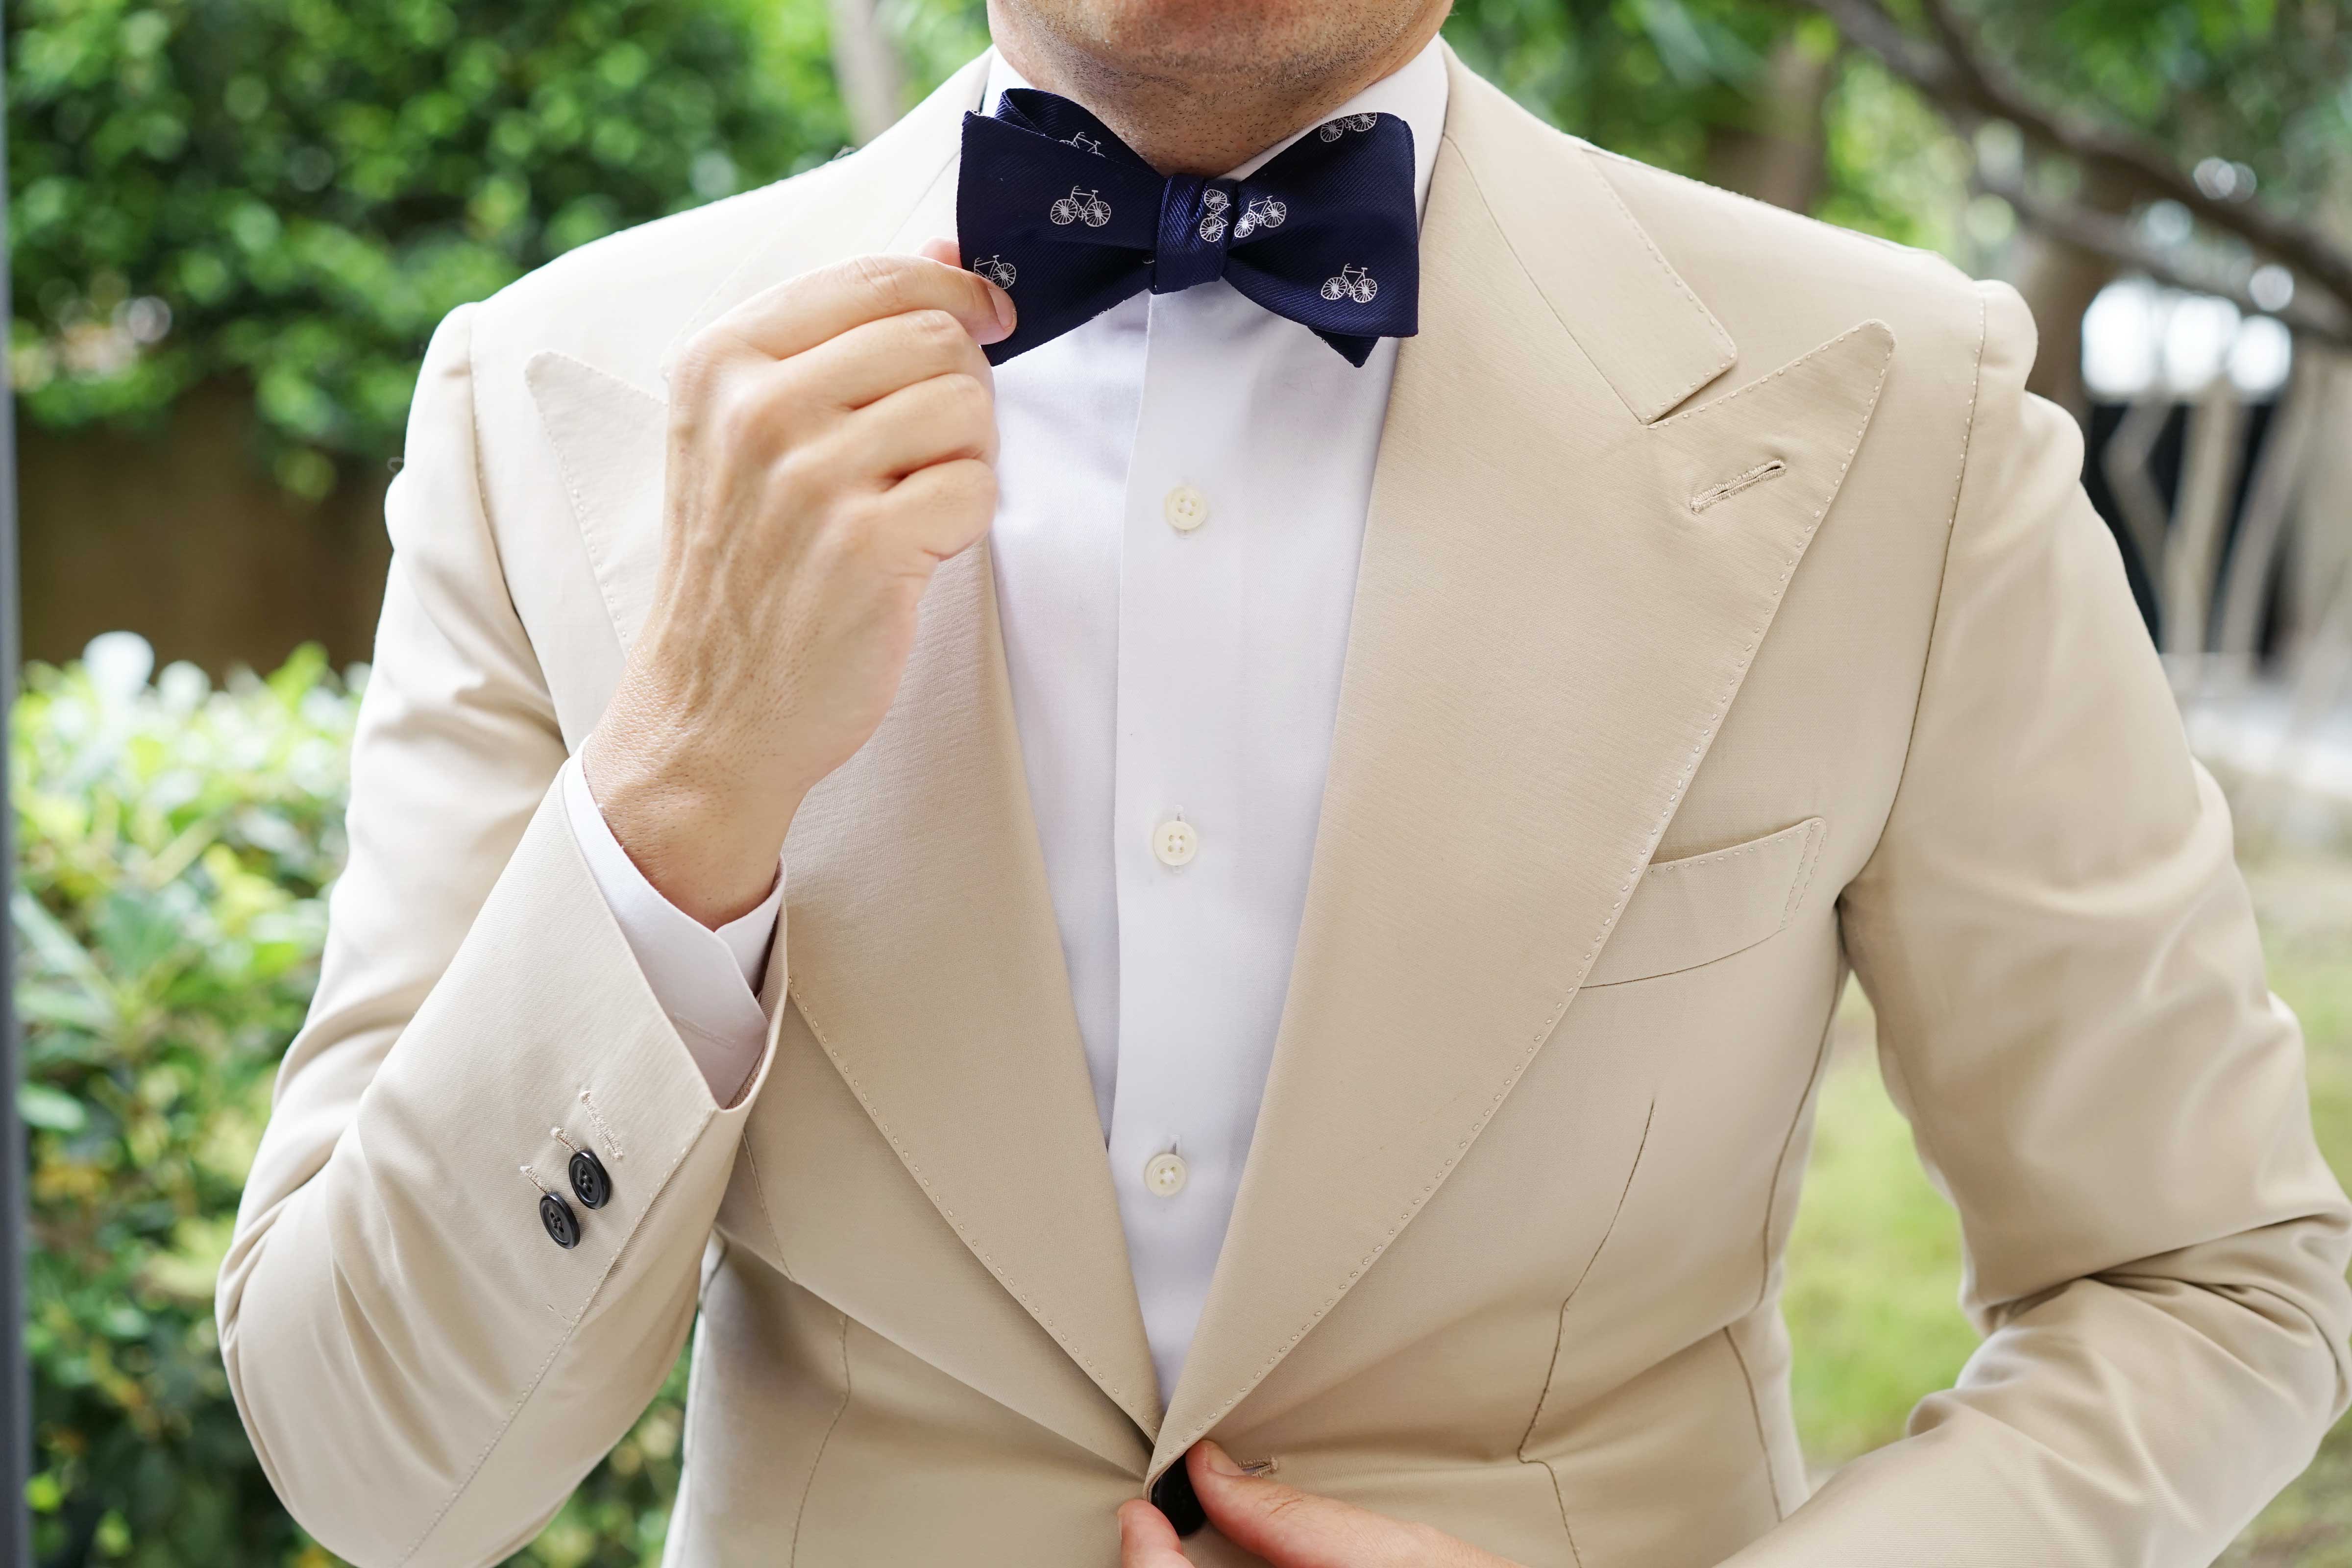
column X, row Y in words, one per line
column 1736, row 483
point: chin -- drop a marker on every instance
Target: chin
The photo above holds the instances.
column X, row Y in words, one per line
column 1215, row 38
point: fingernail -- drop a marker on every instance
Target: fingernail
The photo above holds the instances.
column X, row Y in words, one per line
column 1005, row 314
column 1218, row 1460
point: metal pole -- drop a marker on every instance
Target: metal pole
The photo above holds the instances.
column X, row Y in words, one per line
column 16, row 1377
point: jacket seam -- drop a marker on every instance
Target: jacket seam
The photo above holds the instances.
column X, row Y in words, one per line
column 1716, row 329
column 1525, row 271
column 760, row 1194
column 1892, row 1060
column 1789, row 1139
column 1944, row 568
column 1756, row 1409
column 1816, row 835
column 816, row 1460
column 1560, row 1333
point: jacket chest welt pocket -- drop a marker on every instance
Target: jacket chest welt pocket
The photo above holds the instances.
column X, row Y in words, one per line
column 1700, row 908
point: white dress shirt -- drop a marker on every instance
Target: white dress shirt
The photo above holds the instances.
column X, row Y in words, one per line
column 1182, row 488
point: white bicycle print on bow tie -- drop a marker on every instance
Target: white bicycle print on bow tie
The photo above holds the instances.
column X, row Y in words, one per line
column 1335, row 129
column 1263, row 211
column 1214, row 203
column 997, row 271
column 1079, row 205
column 1083, row 144
column 1353, row 283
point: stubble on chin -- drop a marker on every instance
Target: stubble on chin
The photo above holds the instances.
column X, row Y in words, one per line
column 1198, row 85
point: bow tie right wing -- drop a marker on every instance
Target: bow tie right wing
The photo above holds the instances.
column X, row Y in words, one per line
column 1344, row 256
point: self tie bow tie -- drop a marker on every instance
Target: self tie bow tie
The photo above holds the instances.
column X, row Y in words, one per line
column 1060, row 213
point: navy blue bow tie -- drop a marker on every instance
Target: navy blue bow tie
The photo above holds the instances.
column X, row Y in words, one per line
column 1062, row 216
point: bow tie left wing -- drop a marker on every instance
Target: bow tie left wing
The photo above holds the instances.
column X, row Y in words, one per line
column 1065, row 226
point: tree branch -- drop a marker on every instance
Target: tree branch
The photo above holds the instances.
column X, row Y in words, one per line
column 1956, row 74
column 2103, row 233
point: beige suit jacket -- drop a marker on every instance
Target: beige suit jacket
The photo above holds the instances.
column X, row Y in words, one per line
column 1728, row 616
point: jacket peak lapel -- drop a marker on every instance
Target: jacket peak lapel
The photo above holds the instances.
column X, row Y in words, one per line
column 926, row 962
column 1560, row 595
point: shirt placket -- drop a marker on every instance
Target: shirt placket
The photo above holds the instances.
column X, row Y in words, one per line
column 1179, row 1133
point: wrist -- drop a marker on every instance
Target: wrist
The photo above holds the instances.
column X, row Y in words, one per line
column 709, row 848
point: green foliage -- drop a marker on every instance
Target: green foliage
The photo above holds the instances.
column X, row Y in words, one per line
column 2264, row 82
column 1672, row 82
column 295, row 191
column 175, row 841
column 1646, row 78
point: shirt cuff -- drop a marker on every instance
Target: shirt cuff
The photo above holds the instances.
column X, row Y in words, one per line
column 706, row 980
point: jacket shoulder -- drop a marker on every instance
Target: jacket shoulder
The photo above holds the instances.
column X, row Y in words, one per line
column 1782, row 283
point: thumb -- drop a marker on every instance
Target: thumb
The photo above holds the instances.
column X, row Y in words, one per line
column 1146, row 1539
column 1292, row 1528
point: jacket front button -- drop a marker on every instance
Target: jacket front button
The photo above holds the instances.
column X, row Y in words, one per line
column 563, row 1225
column 590, row 1184
column 1172, row 1495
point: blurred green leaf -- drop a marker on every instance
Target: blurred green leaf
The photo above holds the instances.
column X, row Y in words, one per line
column 50, row 1109
column 291, row 194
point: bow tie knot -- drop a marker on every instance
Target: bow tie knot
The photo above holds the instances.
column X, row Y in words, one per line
column 1193, row 233
column 1056, row 210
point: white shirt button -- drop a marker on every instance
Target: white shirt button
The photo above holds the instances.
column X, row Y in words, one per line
column 1164, row 1175
column 1186, row 508
column 1175, row 843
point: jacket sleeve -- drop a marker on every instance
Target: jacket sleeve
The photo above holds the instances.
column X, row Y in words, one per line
column 424, row 1372
column 2073, row 1015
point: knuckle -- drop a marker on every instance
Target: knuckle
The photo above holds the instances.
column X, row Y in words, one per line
column 934, row 330
column 847, row 539
column 744, row 415
column 967, row 400
column 966, row 486
column 701, row 363
column 885, row 277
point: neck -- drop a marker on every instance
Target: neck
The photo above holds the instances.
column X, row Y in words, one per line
column 1192, row 111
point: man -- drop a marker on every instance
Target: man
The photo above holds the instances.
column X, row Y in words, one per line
column 1321, row 809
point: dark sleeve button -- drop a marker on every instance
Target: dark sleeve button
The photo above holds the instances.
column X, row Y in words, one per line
column 563, row 1225
column 1172, row 1495
column 590, row 1184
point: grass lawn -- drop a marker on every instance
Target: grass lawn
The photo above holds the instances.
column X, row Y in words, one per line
column 1874, row 1264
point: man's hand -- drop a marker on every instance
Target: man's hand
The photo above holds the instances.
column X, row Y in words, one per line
column 832, row 440
column 1288, row 1528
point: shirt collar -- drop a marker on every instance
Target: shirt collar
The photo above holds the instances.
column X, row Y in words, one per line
column 1415, row 92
